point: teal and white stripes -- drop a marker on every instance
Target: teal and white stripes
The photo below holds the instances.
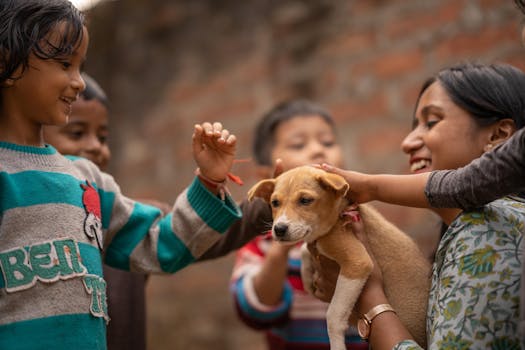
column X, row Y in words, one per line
column 51, row 284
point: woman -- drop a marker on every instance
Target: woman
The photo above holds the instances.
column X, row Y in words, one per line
column 461, row 113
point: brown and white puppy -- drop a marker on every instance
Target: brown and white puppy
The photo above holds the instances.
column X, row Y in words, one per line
column 306, row 205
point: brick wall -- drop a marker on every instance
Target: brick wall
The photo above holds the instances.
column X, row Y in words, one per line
column 169, row 64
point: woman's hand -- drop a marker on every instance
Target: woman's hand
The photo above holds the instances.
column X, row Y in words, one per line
column 325, row 272
column 361, row 190
column 407, row 190
column 373, row 292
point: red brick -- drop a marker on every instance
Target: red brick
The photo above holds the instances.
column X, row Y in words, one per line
column 352, row 110
column 349, row 43
column 410, row 23
column 382, row 141
column 227, row 110
column 476, row 43
column 392, row 64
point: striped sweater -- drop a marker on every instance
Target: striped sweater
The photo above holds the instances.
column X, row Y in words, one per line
column 59, row 217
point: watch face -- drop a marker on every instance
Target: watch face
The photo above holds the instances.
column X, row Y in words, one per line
column 363, row 328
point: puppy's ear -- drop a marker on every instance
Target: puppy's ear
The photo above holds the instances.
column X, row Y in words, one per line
column 334, row 182
column 262, row 189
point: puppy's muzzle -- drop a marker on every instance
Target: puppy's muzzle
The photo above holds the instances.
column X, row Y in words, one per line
column 280, row 230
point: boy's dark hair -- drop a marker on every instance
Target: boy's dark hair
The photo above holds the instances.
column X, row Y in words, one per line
column 93, row 91
column 264, row 138
column 24, row 25
column 521, row 5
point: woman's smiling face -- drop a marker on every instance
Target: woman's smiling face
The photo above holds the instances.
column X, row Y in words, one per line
column 444, row 136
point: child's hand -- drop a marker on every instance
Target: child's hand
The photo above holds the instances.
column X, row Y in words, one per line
column 278, row 167
column 213, row 150
column 278, row 249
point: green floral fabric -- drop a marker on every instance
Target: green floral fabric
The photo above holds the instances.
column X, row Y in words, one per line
column 474, row 297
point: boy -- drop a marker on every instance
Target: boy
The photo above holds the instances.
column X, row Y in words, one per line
column 266, row 284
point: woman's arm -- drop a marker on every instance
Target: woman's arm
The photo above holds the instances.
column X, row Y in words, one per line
column 493, row 175
column 386, row 329
column 397, row 189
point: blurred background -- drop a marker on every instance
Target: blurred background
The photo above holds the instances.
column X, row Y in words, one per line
column 168, row 64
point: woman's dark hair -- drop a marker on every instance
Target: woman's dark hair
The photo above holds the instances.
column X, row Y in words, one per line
column 264, row 138
column 24, row 27
column 487, row 92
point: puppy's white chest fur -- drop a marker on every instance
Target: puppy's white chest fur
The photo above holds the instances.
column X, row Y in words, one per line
column 306, row 203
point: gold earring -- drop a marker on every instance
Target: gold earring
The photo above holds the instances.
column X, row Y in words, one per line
column 488, row 147
column 8, row 82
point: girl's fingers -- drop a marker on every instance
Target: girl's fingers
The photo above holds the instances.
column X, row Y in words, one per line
column 224, row 135
column 208, row 128
column 217, row 128
column 231, row 139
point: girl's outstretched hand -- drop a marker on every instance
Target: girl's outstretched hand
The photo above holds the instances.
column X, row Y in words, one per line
column 213, row 150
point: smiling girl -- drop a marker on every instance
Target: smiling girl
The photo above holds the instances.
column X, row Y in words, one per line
column 61, row 217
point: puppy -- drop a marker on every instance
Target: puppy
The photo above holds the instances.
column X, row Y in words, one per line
column 306, row 205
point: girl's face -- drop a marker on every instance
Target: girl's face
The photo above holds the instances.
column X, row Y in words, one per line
column 86, row 133
column 44, row 93
column 444, row 136
column 306, row 139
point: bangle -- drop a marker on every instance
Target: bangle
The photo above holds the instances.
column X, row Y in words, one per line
column 365, row 322
column 216, row 185
column 220, row 186
column 212, row 183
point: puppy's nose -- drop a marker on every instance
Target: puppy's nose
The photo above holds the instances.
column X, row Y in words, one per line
column 280, row 229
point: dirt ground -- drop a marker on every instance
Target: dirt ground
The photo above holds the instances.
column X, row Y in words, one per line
column 193, row 310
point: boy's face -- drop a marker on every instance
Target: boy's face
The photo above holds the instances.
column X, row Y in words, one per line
column 304, row 140
column 85, row 135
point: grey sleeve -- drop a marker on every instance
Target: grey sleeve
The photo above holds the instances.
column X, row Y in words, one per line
column 256, row 220
column 493, row 175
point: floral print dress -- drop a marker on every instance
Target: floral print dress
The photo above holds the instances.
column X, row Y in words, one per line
column 474, row 296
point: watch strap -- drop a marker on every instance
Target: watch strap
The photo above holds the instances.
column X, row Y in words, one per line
column 365, row 322
column 376, row 310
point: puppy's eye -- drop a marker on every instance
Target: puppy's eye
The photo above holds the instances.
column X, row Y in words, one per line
column 275, row 203
column 305, row 201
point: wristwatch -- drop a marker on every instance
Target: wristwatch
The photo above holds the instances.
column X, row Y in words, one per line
column 364, row 322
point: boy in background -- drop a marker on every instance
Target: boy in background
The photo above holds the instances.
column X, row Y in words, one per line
column 266, row 283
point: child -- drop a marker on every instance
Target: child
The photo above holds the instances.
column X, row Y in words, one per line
column 266, row 282
column 59, row 217
column 86, row 135
column 87, row 130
